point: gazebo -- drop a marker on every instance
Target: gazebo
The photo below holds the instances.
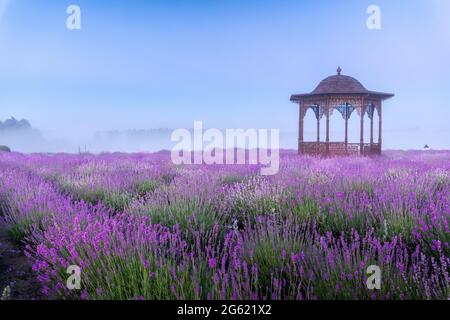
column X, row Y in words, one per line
column 344, row 94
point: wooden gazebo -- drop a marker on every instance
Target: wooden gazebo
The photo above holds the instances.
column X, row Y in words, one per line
column 344, row 94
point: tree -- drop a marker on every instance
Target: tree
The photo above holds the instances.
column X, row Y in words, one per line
column 13, row 123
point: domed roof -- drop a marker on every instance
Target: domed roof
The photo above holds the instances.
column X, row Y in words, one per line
column 339, row 84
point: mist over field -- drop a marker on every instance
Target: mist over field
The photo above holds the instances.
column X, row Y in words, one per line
column 35, row 140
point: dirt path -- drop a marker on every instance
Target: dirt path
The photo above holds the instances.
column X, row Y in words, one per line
column 15, row 270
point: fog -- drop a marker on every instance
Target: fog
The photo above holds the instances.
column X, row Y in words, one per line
column 37, row 141
column 153, row 140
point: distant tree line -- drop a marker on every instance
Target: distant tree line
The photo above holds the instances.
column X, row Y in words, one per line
column 14, row 124
column 136, row 133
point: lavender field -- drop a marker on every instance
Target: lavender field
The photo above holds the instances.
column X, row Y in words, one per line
column 140, row 227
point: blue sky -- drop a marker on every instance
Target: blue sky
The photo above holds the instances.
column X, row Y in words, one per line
column 230, row 63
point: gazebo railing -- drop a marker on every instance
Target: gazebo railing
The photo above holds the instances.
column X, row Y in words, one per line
column 339, row 148
column 373, row 148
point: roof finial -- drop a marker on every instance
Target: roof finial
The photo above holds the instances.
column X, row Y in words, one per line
column 339, row 71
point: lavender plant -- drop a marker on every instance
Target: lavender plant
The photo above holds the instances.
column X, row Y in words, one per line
column 142, row 228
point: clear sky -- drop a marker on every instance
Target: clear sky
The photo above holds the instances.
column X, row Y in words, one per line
column 231, row 63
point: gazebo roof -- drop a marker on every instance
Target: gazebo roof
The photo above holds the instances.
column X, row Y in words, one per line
column 340, row 84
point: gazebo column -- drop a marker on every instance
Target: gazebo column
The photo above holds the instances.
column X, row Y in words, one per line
column 379, row 128
column 318, row 131
column 361, row 140
column 346, row 131
column 300, row 129
column 371, row 132
column 327, row 113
